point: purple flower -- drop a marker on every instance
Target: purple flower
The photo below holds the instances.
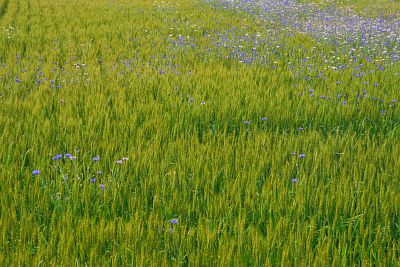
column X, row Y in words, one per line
column 203, row 103
column 294, row 180
column 119, row 161
column 93, row 180
column 302, row 156
column 383, row 112
column 102, row 187
column 95, row 159
column 376, row 84
column 344, row 102
column 18, row 80
column 394, row 101
column 174, row 221
column 57, row 157
column 35, row 172
column 263, row 118
column 300, row 129
column 171, row 230
column 246, row 122
column 69, row 156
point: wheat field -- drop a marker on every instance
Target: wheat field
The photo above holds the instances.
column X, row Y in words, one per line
column 199, row 133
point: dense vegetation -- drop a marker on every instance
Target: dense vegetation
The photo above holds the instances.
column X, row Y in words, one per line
column 205, row 133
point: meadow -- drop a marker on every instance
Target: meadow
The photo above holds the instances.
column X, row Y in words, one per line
column 199, row 133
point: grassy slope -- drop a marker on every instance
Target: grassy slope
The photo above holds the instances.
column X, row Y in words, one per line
column 228, row 183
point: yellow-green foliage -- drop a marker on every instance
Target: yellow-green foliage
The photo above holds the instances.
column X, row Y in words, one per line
column 228, row 183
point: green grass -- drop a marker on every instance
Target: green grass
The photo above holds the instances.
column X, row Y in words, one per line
column 228, row 183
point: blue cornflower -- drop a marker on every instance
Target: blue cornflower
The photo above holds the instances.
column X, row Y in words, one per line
column 246, row 122
column 35, row 172
column 69, row 156
column 302, row 156
column 300, row 129
column 102, row 187
column 263, row 118
column 294, row 180
column 56, row 157
column 93, row 180
column 174, row 221
column 97, row 158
